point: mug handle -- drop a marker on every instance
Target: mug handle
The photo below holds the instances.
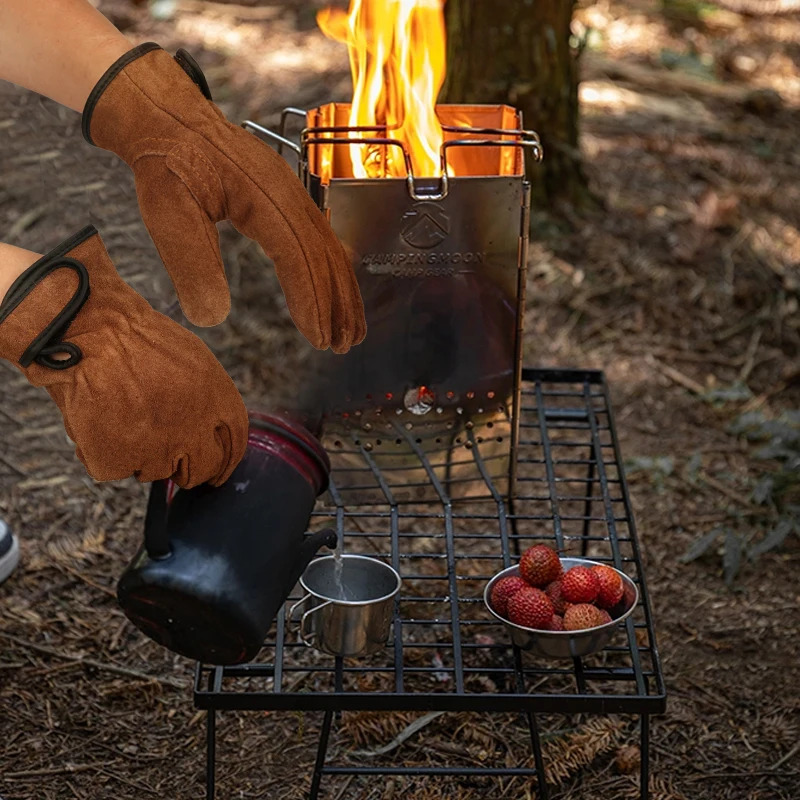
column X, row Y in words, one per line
column 303, row 634
column 297, row 605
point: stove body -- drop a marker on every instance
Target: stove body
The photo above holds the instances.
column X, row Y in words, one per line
column 441, row 267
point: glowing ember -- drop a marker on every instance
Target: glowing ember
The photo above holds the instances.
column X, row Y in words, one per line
column 397, row 57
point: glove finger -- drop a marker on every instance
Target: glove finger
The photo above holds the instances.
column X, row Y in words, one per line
column 297, row 251
column 355, row 299
column 186, row 239
column 342, row 317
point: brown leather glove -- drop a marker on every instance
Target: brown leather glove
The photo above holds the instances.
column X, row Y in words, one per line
column 193, row 168
column 140, row 395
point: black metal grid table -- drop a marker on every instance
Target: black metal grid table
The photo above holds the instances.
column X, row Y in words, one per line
column 446, row 653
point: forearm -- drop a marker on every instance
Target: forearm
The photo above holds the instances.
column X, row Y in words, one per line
column 13, row 262
column 58, row 48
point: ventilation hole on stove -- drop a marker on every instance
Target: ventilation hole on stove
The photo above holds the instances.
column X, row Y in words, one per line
column 480, row 440
column 459, row 411
column 501, row 409
column 449, row 424
column 439, row 410
column 450, row 395
column 499, row 438
column 438, row 441
column 345, row 415
column 358, row 442
column 409, row 426
column 490, row 395
column 357, row 413
column 470, row 395
column 419, row 441
column 398, row 441
column 378, row 411
column 369, row 397
column 480, row 411
column 398, row 411
column 337, row 443
column 490, row 424
column 378, row 442
column 389, row 395
column 458, row 441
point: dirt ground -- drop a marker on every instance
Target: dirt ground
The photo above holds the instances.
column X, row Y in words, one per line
column 682, row 284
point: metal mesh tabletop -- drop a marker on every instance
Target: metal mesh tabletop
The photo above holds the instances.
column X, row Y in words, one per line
column 446, row 652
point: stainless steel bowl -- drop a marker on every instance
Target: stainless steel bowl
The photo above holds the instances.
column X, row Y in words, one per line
column 567, row 644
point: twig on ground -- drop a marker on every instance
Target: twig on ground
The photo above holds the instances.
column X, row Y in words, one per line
column 750, row 355
column 678, row 377
column 407, row 732
column 783, row 759
column 65, row 770
column 90, row 662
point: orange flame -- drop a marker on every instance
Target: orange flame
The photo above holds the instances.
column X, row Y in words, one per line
column 397, row 58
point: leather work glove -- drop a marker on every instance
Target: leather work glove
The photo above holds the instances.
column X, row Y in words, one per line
column 140, row 395
column 193, row 168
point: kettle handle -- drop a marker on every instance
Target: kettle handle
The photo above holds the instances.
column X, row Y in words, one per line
column 156, row 535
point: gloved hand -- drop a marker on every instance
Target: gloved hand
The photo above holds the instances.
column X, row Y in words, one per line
column 193, row 168
column 140, row 395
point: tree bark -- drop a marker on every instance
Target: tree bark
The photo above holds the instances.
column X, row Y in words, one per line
column 518, row 52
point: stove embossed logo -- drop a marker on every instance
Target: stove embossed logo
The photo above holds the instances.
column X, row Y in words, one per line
column 425, row 225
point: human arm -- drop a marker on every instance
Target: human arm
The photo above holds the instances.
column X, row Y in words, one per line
column 60, row 48
column 13, row 262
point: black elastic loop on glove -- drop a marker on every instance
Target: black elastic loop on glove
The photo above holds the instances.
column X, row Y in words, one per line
column 192, row 69
column 48, row 343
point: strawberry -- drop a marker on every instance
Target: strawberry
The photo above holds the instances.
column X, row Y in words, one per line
column 540, row 565
column 582, row 616
column 556, row 623
column 502, row 592
column 611, row 586
column 530, row 608
column 553, row 592
column 606, row 616
column 580, row 585
column 629, row 596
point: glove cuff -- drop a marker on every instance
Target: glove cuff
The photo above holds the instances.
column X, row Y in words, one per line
column 186, row 62
column 41, row 326
column 108, row 77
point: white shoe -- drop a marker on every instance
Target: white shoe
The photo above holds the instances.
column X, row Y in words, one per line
column 9, row 551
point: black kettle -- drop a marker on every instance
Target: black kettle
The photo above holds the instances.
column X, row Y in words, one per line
column 217, row 563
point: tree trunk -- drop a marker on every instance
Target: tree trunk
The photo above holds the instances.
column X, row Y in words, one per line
column 518, row 52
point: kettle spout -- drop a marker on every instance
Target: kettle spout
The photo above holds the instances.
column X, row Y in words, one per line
column 324, row 538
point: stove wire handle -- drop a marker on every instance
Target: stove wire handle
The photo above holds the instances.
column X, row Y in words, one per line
column 282, row 141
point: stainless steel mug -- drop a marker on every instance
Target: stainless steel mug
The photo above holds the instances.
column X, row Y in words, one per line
column 347, row 614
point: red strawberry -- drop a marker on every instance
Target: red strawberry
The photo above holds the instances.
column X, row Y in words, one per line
column 611, row 586
column 580, row 585
column 530, row 608
column 503, row 590
column 582, row 616
column 606, row 616
column 556, row 623
column 540, row 565
column 553, row 592
column 630, row 595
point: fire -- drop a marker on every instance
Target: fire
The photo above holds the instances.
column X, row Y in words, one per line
column 397, row 58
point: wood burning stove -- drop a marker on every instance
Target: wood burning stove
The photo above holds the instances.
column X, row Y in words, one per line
column 441, row 265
